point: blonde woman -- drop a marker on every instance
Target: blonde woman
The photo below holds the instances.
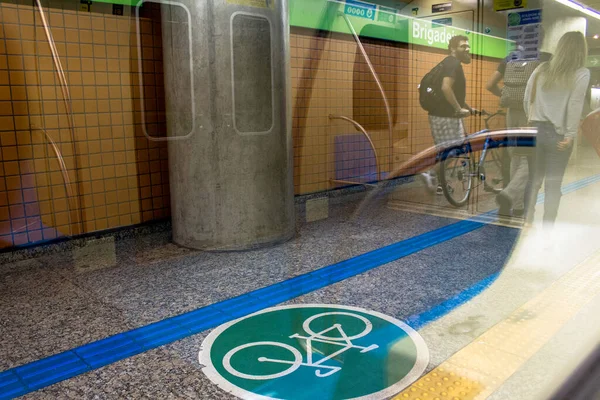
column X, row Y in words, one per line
column 554, row 100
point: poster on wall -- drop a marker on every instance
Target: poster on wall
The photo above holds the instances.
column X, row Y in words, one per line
column 442, row 7
column 524, row 30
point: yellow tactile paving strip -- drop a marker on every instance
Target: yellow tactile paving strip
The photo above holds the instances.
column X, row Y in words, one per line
column 478, row 369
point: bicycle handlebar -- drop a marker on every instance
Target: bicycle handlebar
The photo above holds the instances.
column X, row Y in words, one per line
column 484, row 113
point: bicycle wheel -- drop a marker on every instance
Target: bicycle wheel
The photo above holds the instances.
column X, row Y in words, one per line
column 293, row 364
column 492, row 172
column 368, row 326
column 456, row 176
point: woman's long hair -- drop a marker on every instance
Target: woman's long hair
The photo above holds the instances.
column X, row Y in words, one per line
column 570, row 55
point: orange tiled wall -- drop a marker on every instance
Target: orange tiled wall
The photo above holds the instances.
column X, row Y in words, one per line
column 330, row 76
column 117, row 176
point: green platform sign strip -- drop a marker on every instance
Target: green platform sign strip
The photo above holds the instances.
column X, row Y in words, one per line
column 388, row 24
column 428, row 33
column 380, row 22
column 329, row 351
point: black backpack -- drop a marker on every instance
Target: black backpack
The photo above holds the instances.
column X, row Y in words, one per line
column 430, row 89
column 516, row 75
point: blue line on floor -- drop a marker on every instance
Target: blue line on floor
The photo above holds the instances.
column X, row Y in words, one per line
column 420, row 320
column 47, row 371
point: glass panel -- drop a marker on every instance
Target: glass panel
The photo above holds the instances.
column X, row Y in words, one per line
column 449, row 254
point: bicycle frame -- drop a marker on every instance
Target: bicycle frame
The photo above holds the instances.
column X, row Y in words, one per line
column 346, row 345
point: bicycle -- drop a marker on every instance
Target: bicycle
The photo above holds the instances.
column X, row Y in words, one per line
column 458, row 166
column 322, row 370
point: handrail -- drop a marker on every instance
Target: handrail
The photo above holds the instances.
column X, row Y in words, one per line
column 376, row 77
column 360, row 128
column 427, row 158
column 69, row 110
column 63, row 169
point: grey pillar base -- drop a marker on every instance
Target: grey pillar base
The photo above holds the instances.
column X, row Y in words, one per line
column 210, row 246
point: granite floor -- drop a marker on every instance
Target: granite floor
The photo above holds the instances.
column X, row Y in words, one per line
column 60, row 301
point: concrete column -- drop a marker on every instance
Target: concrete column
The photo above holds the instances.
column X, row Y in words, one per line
column 558, row 19
column 229, row 123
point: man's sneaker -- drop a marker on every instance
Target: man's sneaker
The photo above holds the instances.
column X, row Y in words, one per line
column 440, row 190
column 429, row 180
column 504, row 204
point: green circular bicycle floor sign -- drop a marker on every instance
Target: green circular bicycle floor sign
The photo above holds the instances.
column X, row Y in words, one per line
column 314, row 351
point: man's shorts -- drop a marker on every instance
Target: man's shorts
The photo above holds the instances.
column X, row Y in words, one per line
column 446, row 129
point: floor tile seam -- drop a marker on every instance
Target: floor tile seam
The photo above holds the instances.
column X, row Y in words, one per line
column 326, row 272
column 317, row 268
column 408, row 248
column 101, row 300
column 114, row 309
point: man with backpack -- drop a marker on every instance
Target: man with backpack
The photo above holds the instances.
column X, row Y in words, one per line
column 442, row 93
column 516, row 73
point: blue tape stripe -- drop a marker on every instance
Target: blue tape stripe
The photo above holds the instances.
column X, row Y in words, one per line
column 573, row 186
column 47, row 371
column 50, row 370
column 419, row 320
column 13, row 390
column 8, row 378
column 10, row 385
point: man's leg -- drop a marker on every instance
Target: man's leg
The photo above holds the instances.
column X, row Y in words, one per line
column 513, row 194
column 454, row 129
column 443, row 130
column 430, row 177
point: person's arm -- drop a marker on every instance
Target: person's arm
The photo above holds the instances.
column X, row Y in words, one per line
column 528, row 90
column 447, row 85
column 492, row 85
column 575, row 107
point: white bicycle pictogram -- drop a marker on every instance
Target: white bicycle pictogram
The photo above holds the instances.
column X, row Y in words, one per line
column 322, row 370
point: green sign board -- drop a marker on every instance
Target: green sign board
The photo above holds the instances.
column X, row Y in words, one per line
column 373, row 20
column 593, row 62
column 306, row 352
column 326, row 15
column 428, row 33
